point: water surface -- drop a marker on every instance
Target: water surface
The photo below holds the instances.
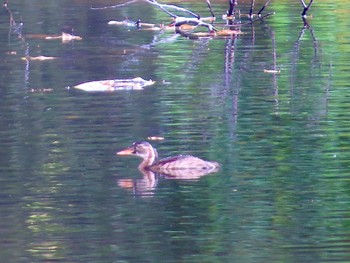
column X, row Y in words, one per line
column 282, row 139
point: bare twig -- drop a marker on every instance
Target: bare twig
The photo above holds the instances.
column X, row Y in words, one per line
column 210, row 9
column 177, row 8
column 14, row 27
column 303, row 3
column 251, row 8
column 239, row 24
column 264, row 6
column 306, row 7
column 255, row 20
column 164, row 7
column 231, row 10
column 114, row 6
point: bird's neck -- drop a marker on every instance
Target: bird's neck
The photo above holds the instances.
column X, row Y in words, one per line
column 149, row 159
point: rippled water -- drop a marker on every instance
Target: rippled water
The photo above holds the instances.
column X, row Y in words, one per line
column 282, row 193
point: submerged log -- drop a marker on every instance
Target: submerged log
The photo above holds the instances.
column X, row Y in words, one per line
column 115, row 85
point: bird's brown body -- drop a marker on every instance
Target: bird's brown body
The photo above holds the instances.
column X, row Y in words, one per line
column 181, row 162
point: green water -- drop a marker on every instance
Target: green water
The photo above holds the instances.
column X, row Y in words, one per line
column 282, row 194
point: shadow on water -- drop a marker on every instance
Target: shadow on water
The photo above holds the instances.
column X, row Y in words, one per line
column 270, row 105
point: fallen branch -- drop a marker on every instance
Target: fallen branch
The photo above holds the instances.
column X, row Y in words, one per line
column 186, row 25
column 179, row 21
column 114, row 85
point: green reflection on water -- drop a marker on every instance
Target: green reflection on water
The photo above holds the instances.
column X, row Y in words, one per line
column 282, row 194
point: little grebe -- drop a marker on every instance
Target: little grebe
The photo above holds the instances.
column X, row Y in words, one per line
column 149, row 155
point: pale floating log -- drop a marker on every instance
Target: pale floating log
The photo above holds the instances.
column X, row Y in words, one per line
column 64, row 37
column 155, row 138
column 122, row 23
column 115, row 85
column 272, row 71
column 38, row 58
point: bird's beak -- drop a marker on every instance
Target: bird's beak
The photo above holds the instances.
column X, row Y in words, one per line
column 127, row 151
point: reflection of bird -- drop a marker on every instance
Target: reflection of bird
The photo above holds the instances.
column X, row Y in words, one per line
column 168, row 165
column 144, row 186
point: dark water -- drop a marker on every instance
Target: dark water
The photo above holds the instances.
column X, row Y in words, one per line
column 282, row 194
